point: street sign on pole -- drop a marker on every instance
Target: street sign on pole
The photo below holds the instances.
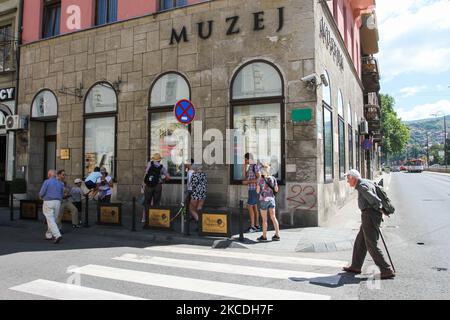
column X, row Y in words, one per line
column 184, row 112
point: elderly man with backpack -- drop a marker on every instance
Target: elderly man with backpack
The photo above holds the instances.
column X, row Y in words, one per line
column 155, row 175
column 373, row 203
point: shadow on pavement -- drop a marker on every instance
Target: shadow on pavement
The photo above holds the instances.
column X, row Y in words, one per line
column 335, row 281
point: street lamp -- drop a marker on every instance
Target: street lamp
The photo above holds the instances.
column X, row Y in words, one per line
column 445, row 134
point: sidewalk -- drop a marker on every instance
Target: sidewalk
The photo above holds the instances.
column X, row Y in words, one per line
column 337, row 235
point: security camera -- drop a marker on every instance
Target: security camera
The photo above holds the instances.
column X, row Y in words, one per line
column 309, row 78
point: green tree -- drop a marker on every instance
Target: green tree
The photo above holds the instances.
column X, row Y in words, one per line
column 396, row 134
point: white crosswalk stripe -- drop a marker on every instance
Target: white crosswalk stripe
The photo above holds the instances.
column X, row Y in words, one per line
column 249, row 256
column 64, row 291
column 188, row 258
column 216, row 288
column 220, row 267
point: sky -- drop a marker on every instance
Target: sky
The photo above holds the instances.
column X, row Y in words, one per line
column 414, row 55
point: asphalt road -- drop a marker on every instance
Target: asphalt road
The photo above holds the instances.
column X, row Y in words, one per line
column 98, row 267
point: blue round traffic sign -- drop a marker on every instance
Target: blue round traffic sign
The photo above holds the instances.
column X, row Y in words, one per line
column 184, row 111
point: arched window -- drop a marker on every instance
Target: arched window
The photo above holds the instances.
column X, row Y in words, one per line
column 257, row 107
column 165, row 92
column 340, row 103
column 328, row 144
column 326, row 91
column 341, row 131
column 2, row 119
column 44, row 106
column 350, row 137
column 100, row 118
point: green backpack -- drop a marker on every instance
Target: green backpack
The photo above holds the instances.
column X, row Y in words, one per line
column 386, row 202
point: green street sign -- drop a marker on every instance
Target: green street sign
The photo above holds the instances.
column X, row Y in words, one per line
column 302, row 115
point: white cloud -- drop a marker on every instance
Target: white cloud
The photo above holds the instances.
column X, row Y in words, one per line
column 414, row 36
column 424, row 111
column 411, row 91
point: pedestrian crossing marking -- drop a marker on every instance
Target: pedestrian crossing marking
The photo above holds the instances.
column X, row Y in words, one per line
column 64, row 291
column 216, row 288
column 220, row 267
column 250, row 256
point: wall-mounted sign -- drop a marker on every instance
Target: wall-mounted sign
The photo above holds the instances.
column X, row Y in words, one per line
column 65, row 154
column 160, row 218
column 7, row 94
column 331, row 44
column 109, row 214
column 301, row 115
column 233, row 27
column 215, row 224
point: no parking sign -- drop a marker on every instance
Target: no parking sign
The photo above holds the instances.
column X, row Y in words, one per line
column 184, row 111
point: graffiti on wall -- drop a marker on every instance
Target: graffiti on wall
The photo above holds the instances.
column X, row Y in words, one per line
column 301, row 196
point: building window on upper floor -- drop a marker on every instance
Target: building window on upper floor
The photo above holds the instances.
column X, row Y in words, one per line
column 6, row 49
column 170, row 4
column 52, row 18
column 106, row 12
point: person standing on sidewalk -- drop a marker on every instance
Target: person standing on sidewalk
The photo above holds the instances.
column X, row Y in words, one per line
column 52, row 192
column 251, row 175
column 155, row 175
column 267, row 189
column 367, row 240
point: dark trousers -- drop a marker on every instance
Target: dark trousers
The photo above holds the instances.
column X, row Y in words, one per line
column 367, row 241
column 153, row 195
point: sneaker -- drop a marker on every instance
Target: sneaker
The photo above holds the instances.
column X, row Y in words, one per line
column 258, row 229
column 261, row 239
column 76, row 226
column 276, row 238
column 251, row 230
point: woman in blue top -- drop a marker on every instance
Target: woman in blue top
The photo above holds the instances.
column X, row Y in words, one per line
column 267, row 188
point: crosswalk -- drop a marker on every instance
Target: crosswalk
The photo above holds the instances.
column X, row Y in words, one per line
column 145, row 270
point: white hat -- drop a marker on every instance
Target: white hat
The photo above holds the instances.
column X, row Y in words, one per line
column 77, row 181
column 353, row 173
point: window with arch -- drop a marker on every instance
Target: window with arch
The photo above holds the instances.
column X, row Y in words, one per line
column 341, row 129
column 326, row 90
column 257, row 116
column 2, row 119
column 44, row 105
column 100, row 123
column 350, row 137
column 165, row 92
column 328, row 145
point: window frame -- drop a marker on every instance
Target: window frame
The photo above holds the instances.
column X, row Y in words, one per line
column 174, row 5
column 340, row 140
column 261, row 101
column 98, row 115
column 8, row 45
column 107, row 14
column 47, row 6
column 44, row 119
column 326, row 107
column 163, row 109
column 351, row 148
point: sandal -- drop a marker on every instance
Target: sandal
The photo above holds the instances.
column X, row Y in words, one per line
column 261, row 239
column 276, row 238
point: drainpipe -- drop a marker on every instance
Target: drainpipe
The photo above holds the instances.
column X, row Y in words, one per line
column 19, row 43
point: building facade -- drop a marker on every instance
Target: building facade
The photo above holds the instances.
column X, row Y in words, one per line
column 9, row 21
column 99, row 80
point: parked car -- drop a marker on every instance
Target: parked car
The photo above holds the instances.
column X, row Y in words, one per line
column 395, row 169
column 403, row 168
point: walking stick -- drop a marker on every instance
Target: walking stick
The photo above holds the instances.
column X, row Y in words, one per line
column 385, row 246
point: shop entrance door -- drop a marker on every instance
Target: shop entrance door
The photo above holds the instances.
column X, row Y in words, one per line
column 50, row 147
column 3, row 186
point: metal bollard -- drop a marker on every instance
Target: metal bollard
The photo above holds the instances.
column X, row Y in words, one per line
column 86, row 213
column 241, row 227
column 133, row 227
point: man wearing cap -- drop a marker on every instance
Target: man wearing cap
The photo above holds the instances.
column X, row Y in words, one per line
column 76, row 195
column 367, row 240
column 155, row 175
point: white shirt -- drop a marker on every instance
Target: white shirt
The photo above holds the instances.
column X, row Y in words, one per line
column 106, row 189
